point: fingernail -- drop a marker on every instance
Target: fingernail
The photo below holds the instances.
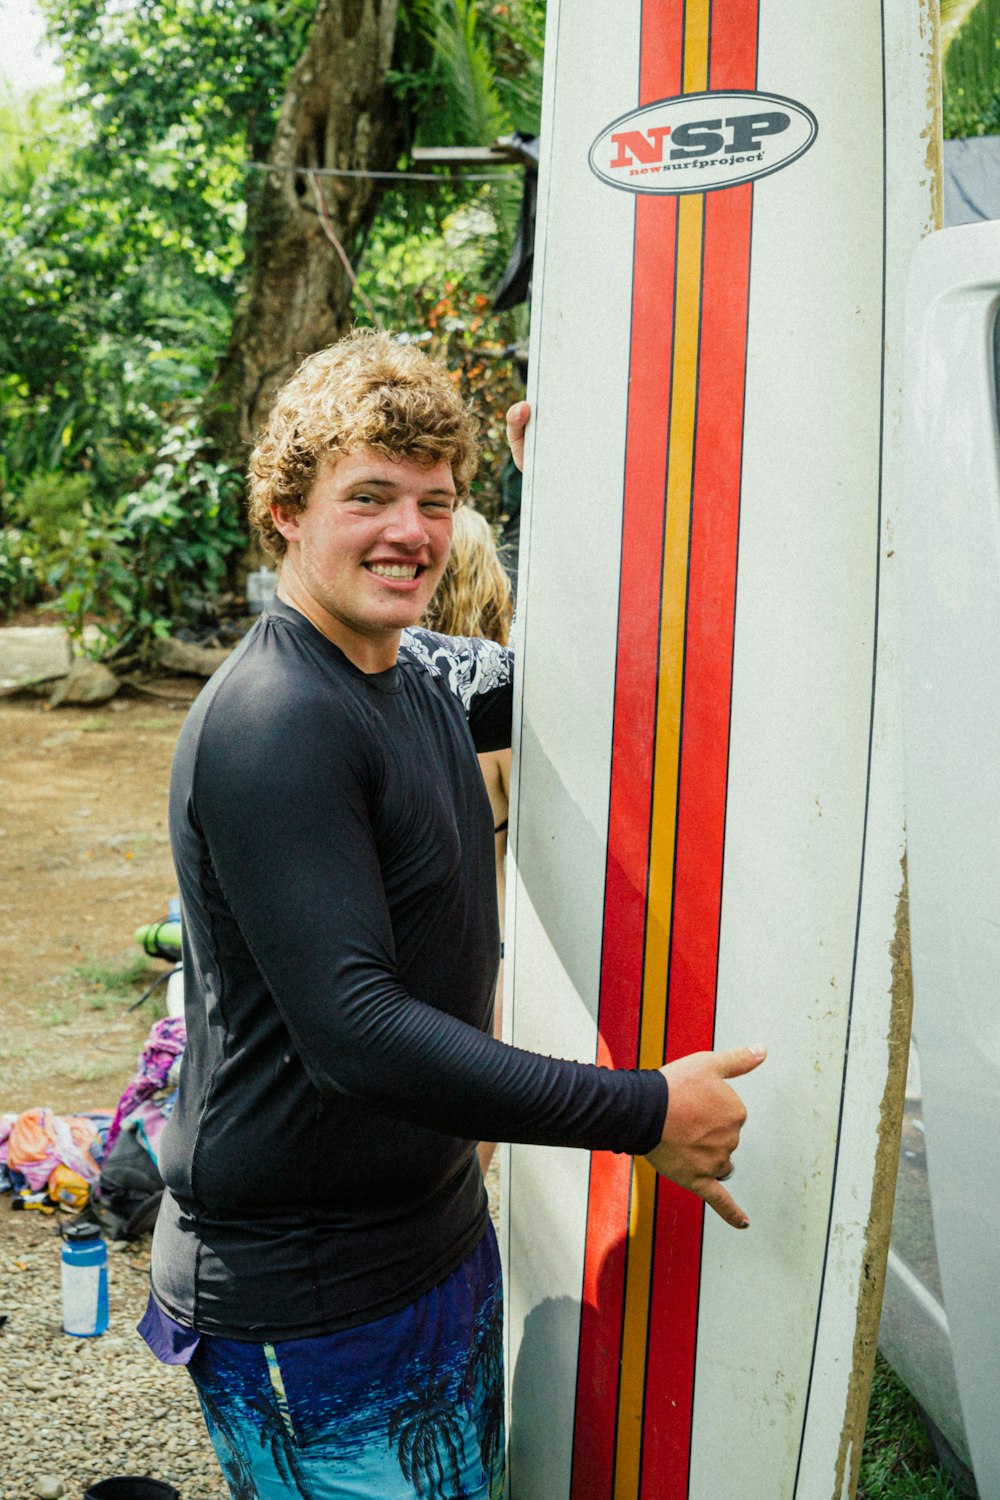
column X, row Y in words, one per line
column 757, row 1048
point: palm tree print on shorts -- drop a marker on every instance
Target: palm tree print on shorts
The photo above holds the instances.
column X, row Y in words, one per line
column 427, row 1436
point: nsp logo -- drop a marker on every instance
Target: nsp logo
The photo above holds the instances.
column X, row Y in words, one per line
column 697, row 142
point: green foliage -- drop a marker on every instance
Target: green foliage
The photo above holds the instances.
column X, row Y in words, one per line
column 127, row 206
column 447, row 74
column 147, row 564
column 51, row 503
column 972, row 74
column 106, row 319
column 469, row 71
column 225, row 65
column 409, row 260
column 28, row 138
column 42, row 524
column 897, row 1462
column 125, row 209
column 515, row 33
column 179, row 532
column 20, row 580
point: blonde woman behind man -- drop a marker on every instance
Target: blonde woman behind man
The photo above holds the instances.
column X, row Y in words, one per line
column 474, row 599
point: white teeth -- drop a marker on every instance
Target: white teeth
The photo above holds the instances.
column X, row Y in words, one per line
column 394, row 570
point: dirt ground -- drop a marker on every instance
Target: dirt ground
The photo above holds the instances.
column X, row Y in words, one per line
column 85, row 860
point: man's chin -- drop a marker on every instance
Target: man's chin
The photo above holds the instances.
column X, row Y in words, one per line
column 406, row 610
column 398, row 615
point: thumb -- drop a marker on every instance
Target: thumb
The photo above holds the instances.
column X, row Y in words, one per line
column 736, row 1061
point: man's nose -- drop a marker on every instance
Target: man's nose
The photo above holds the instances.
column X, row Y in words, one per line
column 406, row 525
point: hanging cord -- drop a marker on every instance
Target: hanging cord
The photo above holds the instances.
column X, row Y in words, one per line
column 331, row 235
column 160, row 979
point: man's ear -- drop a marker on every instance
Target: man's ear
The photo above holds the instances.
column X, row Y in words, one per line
column 286, row 522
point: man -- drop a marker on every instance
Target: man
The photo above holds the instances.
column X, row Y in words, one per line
column 323, row 1259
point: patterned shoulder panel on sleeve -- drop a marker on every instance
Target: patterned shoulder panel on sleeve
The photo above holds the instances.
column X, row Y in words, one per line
column 470, row 666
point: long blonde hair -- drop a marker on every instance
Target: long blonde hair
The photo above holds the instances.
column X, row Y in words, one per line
column 474, row 596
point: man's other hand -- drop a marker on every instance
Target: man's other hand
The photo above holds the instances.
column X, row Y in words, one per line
column 702, row 1127
column 517, row 421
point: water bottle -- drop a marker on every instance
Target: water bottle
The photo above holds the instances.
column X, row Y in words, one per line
column 84, row 1281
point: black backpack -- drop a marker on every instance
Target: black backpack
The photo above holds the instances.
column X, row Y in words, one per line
column 126, row 1197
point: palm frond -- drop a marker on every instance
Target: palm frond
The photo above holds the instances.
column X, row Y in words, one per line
column 470, row 111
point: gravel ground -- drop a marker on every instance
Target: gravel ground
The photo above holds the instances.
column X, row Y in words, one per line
column 73, row 1411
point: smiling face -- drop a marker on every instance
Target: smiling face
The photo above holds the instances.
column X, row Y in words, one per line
column 365, row 555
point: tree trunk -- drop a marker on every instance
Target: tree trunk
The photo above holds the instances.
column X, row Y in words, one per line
column 337, row 112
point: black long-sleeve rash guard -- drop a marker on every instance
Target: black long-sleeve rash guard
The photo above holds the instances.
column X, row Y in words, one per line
column 334, row 850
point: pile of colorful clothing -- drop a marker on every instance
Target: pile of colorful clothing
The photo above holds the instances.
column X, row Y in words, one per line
column 107, row 1161
column 51, row 1161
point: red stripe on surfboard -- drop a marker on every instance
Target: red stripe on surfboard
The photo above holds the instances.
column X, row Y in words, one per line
column 671, row 1354
column 628, row 832
column 661, row 58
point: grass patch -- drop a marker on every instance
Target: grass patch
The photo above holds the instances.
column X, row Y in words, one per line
column 55, row 1015
column 153, row 725
column 97, row 1072
column 897, row 1462
column 112, row 984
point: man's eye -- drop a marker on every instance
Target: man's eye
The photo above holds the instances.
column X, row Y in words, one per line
column 366, row 499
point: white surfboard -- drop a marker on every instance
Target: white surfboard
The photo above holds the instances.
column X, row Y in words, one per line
column 707, row 825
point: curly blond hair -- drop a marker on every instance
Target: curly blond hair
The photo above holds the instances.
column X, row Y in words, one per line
column 367, row 391
column 474, row 595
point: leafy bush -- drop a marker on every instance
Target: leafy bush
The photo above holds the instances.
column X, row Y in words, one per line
column 139, row 568
column 20, row 583
column 52, row 502
column 178, row 535
column 43, row 525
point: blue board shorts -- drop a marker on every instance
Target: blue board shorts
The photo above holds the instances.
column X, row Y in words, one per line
column 410, row 1407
